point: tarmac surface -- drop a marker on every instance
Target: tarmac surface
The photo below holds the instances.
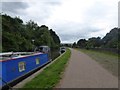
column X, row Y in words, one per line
column 84, row 72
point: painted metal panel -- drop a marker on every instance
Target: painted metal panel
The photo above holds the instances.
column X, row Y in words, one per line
column 3, row 78
column 10, row 68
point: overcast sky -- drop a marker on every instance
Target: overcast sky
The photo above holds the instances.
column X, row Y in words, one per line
column 70, row 19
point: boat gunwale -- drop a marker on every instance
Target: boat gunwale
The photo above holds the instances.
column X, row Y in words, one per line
column 20, row 57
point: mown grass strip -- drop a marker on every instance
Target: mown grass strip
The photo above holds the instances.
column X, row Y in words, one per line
column 51, row 75
column 108, row 60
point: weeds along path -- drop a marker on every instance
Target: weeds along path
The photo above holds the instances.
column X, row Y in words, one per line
column 84, row 72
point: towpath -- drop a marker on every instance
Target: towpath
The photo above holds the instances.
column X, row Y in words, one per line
column 84, row 72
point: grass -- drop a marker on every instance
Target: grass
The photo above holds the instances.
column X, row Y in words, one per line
column 51, row 75
column 107, row 59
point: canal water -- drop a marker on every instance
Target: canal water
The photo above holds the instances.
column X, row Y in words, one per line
column 54, row 53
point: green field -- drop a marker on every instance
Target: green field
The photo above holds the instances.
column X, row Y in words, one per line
column 108, row 60
column 51, row 75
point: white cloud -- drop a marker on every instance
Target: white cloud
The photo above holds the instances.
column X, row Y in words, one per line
column 73, row 19
column 70, row 11
column 85, row 16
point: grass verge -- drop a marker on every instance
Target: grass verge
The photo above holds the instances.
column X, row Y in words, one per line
column 51, row 75
column 108, row 60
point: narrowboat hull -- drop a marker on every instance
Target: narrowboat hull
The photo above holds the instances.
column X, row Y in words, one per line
column 18, row 68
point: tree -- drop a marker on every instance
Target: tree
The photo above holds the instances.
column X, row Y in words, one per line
column 82, row 43
column 17, row 36
column 74, row 45
column 112, row 39
column 55, row 38
column 94, row 42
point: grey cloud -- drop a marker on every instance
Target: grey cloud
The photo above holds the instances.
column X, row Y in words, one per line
column 119, row 14
column 53, row 3
column 97, row 11
column 13, row 7
column 68, row 37
column 42, row 9
column 73, row 38
column 76, row 27
column 71, row 34
column 0, row 7
column 68, row 31
column 90, row 29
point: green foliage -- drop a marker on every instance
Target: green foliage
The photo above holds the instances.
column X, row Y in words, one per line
column 111, row 40
column 51, row 75
column 74, row 45
column 82, row 43
column 17, row 36
column 94, row 42
column 55, row 38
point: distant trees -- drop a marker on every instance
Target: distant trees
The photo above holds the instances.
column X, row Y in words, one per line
column 111, row 40
column 17, row 36
column 74, row 44
column 94, row 42
column 82, row 43
column 90, row 43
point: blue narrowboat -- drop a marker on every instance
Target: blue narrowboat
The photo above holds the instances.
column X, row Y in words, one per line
column 18, row 65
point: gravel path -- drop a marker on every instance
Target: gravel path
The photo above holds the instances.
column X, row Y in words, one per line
column 83, row 72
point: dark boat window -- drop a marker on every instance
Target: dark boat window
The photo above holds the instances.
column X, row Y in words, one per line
column 40, row 49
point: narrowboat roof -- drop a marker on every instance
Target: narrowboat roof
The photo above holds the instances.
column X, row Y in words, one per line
column 12, row 56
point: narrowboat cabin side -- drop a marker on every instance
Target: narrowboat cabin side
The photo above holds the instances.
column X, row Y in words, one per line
column 18, row 66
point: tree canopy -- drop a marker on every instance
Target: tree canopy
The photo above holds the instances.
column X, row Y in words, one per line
column 110, row 40
column 17, row 36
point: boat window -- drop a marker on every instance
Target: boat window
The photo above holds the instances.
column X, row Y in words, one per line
column 40, row 49
column 37, row 61
column 21, row 66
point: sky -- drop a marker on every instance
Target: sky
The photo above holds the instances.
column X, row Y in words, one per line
column 70, row 19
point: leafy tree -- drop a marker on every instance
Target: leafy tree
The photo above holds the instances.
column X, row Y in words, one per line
column 17, row 36
column 55, row 38
column 82, row 43
column 94, row 42
column 112, row 39
column 74, row 45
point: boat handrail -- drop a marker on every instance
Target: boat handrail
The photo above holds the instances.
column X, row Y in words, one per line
column 15, row 53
